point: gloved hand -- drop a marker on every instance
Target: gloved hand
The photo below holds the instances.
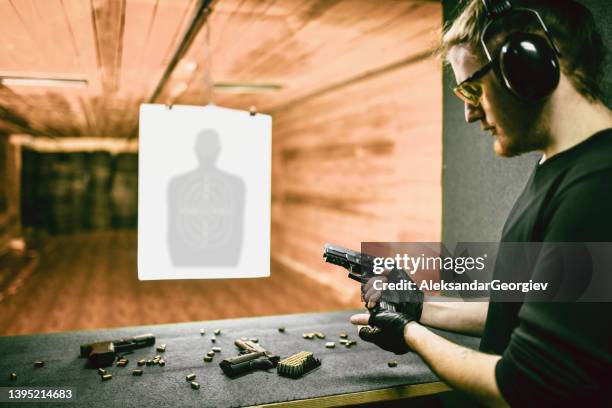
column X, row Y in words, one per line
column 408, row 302
column 387, row 330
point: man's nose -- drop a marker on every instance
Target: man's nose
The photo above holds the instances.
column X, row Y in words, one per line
column 473, row 113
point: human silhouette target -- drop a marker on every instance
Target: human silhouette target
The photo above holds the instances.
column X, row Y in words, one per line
column 205, row 210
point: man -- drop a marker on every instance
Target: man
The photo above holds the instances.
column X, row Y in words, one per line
column 532, row 354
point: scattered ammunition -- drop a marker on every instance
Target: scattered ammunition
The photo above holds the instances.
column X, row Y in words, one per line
column 39, row 364
column 149, row 362
column 254, row 339
column 210, row 353
column 142, row 362
column 350, row 343
column 162, row 362
column 161, row 348
column 12, row 376
column 344, row 342
column 190, row 377
column 202, row 332
column 208, row 359
column 101, row 371
column 125, row 360
column 392, row 363
column 297, row 365
column 343, row 335
column 216, row 349
column 137, row 372
column 330, row 344
column 217, row 332
column 107, row 377
column 281, row 329
column 320, row 335
column 213, row 339
column 308, row 336
column 121, row 363
column 195, row 385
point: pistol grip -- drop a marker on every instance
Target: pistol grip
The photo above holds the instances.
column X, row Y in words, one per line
column 101, row 354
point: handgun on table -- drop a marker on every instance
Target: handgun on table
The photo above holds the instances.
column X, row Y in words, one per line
column 359, row 266
column 102, row 354
column 252, row 357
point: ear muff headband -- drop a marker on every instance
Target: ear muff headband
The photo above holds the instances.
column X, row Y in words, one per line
column 526, row 63
column 495, row 8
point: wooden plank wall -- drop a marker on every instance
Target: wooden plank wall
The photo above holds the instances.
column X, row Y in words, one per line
column 359, row 163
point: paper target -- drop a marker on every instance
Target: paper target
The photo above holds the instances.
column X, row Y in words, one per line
column 204, row 190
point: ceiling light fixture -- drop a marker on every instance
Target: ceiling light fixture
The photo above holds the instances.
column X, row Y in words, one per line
column 245, row 87
column 43, row 82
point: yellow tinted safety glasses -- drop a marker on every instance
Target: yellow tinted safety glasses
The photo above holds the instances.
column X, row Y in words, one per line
column 469, row 91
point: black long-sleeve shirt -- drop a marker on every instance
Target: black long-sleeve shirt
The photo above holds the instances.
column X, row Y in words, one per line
column 558, row 354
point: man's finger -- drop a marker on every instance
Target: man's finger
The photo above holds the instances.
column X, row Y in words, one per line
column 369, row 289
column 372, row 295
column 361, row 319
column 386, row 272
column 366, row 286
column 370, row 283
column 367, row 334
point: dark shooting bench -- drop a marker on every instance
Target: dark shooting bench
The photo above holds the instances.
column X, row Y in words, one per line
column 352, row 375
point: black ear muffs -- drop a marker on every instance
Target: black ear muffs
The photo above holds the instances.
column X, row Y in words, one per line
column 528, row 66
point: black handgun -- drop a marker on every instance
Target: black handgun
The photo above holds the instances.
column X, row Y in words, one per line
column 102, row 354
column 252, row 357
column 359, row 265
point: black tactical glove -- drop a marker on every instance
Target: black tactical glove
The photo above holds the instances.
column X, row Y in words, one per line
column 387, row 330
column 408, row 302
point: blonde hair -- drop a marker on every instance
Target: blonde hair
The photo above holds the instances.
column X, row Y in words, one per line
column 466, row 29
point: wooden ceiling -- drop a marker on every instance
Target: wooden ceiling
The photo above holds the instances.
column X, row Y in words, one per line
column 125, row 50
